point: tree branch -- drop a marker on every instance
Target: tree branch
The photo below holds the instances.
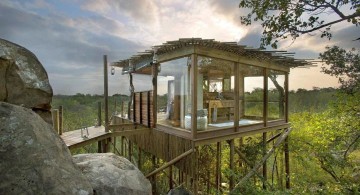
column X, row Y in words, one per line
column 336, row 10
column 327, row 24
column 351, row 144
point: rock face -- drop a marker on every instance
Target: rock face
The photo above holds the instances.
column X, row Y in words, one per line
column 112, row 174
column 23, row 80
column 33, row 159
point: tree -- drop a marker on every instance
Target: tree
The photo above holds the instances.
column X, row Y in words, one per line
column 291, row 18
column 344, row 65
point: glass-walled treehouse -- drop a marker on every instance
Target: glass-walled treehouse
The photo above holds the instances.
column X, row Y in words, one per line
column 203, row 89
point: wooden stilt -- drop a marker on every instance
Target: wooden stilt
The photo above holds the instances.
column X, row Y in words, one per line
column 153, row 177
column 287, row 163
column 195, row 171
column 218, row 167
column 122, row 145
column 99, row 146
column 265, row 162
column 171, row 183
column 130, row 151
column 232, row 149
column 139, row 158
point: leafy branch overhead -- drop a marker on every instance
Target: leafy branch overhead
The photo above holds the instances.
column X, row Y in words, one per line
column 344, row 65
column 282, row 19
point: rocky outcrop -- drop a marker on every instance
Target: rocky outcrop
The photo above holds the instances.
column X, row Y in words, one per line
column 33, row 159
column 23, row 80
column 112, row 174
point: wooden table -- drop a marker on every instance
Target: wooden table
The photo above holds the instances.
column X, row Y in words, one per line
column 219, row 104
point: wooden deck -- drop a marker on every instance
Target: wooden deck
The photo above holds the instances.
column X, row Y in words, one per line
column 73, row 139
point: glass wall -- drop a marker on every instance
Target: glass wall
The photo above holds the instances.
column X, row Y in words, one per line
column 276, row 103
column 174, row 93
column 215, row 95
column 251, row 94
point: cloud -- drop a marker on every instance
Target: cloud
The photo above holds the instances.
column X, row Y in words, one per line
column 69, row 37
column 68, row 53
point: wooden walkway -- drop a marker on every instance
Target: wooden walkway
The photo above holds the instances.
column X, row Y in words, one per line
column 73, row 139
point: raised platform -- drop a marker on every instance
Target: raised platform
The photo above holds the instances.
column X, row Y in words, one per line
column 73, row 139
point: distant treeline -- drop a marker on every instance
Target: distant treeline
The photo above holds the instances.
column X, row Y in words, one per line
column 314, row 100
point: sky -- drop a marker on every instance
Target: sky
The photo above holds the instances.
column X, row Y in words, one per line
column 70, row 37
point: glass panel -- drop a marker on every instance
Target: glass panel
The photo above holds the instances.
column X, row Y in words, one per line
column 251, row 89
column 215, row 93
column 141, row 82
column 174, row 93
column 276, row 104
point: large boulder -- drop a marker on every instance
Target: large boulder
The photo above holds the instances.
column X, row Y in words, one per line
column 23, row 80
column 112, row 174
column 33, row 159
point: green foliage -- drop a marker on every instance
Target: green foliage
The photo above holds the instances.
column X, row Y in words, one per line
column 81, row 110
column 344, row 65
column 326, row 141
column 289, row 18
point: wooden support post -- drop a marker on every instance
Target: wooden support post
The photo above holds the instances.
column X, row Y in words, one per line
column 195, row 173
column 139, row 158
column 122, row 146
column 148, row 109
column 134, row 107
column 130, row 150
column 237, row 95
column 99, row 146
column 99, row 114
column 287, row 97
column 154, row 72
column 61, row 120
column 232, row 167
column 266, row 97
column 171, row 183
column 218, row 167
column 131, row 98
column 194, row 86
column 55, row 119
column 264, row 139
column 153, row 177
column 287, row 163
column 106, row 94
column 140, row 107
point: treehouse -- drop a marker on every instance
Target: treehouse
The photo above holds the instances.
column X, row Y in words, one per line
column 203, row 92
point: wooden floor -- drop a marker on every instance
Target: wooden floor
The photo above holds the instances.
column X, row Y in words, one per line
column 73, row 139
